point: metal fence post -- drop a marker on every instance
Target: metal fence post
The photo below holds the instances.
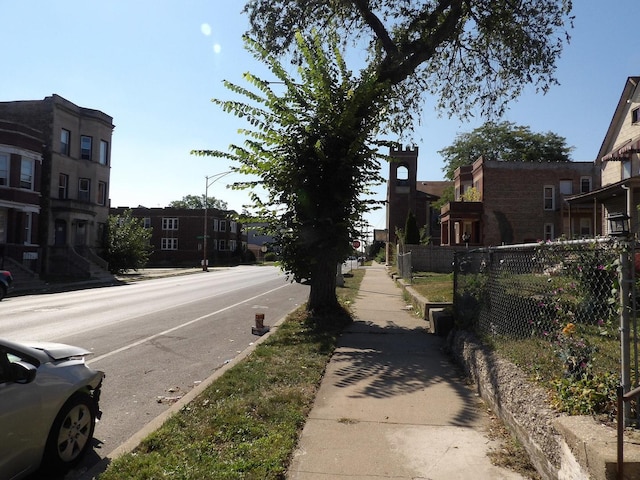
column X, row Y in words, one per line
column 625, row 281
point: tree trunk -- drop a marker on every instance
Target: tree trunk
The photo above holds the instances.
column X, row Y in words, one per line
column 322, row 297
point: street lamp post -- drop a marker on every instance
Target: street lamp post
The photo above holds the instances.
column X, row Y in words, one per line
column 209, row 180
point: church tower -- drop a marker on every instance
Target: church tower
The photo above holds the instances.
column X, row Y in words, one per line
column 401, row 188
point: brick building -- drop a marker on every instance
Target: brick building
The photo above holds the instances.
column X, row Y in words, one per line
column 519, row 202
column 21, row 149
column 405, row 193
column 178, row 235
column 74, row 185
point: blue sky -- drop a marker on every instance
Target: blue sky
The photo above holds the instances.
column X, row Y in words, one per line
column 155, row 65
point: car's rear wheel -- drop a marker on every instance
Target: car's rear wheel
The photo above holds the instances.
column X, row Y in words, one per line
column 71, row 433
column 3, row 292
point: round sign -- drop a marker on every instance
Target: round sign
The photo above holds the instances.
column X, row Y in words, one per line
column 356, row 244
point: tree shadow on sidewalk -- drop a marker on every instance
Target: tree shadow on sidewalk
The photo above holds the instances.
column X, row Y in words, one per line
column 382, row 363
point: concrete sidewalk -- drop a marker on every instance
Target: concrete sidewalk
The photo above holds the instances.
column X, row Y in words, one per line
column 391, row 404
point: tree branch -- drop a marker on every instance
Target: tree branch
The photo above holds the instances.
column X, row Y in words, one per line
column 396, row 68
column 376, row 25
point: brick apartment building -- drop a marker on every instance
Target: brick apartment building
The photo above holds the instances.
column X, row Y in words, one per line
column 520, row 202
column 75, row 143
column 21, row 149
column 178, row 236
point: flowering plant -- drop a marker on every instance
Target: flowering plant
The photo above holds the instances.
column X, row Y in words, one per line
column 574, row 351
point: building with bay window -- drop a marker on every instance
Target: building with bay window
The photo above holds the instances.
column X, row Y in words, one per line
column 73, row 183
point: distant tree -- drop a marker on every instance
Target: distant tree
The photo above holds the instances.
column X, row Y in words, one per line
column 411, row 230
column 503, row 141
column 196, row 202
column 128, row 243
column 472, row 195
column 448, row 195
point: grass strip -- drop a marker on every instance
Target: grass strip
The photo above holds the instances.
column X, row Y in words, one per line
column 246, row 424
column 437, row 287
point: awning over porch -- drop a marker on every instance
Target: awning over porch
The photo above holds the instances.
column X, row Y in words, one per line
column 605, row 193
column 623, row 152
column 22, row 207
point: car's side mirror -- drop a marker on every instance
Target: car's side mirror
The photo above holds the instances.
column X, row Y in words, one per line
column 23, row 372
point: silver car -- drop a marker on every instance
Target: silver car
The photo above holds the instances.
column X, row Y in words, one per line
column 48, row 407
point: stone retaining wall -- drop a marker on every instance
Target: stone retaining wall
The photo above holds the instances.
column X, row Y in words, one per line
column 560, row 447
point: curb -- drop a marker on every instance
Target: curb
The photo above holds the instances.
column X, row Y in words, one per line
column 134, row 441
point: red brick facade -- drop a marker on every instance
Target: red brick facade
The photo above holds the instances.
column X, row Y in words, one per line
column 177, row 236
column 520, row 202
column 20, row 192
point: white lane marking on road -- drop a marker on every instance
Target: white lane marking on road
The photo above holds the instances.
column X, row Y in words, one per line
column 178, row 327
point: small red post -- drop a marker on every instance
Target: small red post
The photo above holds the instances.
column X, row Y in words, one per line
column 259, row 321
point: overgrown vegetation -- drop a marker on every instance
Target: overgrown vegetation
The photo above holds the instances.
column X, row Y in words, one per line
column 128, row 243
column 576, row 367
column 246, row 424
column 578, row 364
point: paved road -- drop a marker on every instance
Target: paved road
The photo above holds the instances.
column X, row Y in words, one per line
column 154, row 339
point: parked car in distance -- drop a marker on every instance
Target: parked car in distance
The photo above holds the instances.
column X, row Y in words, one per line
column 48, row 407
column 6, row 281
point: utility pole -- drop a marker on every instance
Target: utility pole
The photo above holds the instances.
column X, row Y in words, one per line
column 209, row 180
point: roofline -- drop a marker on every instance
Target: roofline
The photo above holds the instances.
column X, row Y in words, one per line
column 630, row 85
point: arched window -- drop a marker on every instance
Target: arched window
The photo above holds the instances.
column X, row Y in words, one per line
column 402, row 175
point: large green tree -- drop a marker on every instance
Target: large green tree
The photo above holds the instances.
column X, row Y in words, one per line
column 314, row 153
column 503, row 141
column 196, row 202
column 128, row 243
column 472, row 56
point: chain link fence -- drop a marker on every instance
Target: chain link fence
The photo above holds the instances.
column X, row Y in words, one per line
column 404, row 265
column 552, row 291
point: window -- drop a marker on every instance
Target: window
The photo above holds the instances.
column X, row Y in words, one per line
column 63, row 186
column 548, row 231
column 169, row 223
column 104, row 153
column 233, row 227
column 26, row 173
column 4, row 169
column 102, row 193
column 84, row 189
column 232, row 245
column 65, row 141
column 28, row 219
column 146, row 222
column 566, row 187
column 585, row 227
column 549, row 197
column 85, row 147
column 222, row 245
column 223, row 225
column 626, row 169
column 169, row 244
column 585, row 184
column 3, row 226
column 635, row 115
